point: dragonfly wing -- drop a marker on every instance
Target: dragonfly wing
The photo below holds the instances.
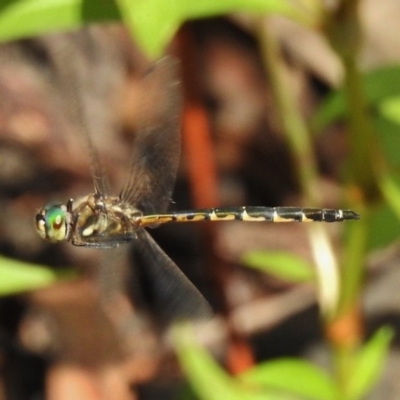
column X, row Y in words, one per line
column 173, row 295
column 73, row 73
column 157, row 145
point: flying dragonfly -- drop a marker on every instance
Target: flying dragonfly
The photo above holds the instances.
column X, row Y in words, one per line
column 104, row 221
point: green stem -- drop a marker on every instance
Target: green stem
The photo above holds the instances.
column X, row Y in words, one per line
column 344, row 33
column 299, row 140
column 291, row 121
column 362, row 141
column 352, row 273
column 364, row 154
column 344, row 366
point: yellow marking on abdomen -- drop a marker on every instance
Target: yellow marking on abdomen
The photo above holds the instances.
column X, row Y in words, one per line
column 247, row 217
column 278, row 218
column 214, row 217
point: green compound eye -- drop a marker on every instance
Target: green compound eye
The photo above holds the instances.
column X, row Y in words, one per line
column 51, row 222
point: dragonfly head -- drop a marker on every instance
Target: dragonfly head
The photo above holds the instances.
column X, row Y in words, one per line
column 52, row 222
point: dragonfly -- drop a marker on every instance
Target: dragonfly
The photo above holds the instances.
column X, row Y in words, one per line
column 101, row 220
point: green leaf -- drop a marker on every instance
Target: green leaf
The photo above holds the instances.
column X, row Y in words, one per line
column 154, row 22
column 26, row 18
column 389, row 139
column 384, row 229
column 369, row 364
column 280, row 264
column 16, row 276
column 391, row 193
column 295, row 376
column 390, row 108
column 378, row 85
column 208, row 379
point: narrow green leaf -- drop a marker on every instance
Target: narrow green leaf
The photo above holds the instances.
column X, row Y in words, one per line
column 369, row 364
column 27, row 18
column 295, row 376
column 208, row 379
column 16, row 276
column 390, row 108
column 378, row 85
column 391, row 193
column 384, row 228
column 154, row 22
column 388, row 132
column 280, row 264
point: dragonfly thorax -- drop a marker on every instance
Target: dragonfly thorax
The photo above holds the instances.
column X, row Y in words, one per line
column 102, row 221
column 93, row 220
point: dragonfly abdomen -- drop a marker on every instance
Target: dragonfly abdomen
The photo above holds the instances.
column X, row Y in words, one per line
column 252, row 214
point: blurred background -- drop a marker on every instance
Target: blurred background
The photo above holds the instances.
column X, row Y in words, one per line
column 285, row 104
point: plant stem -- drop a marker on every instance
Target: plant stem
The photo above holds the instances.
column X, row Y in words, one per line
column 365, row 159
column 299, row 140
column 293, row 125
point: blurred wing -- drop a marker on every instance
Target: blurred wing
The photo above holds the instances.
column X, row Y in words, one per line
column 73, row 73
column 156, row 150
column 174, row 296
